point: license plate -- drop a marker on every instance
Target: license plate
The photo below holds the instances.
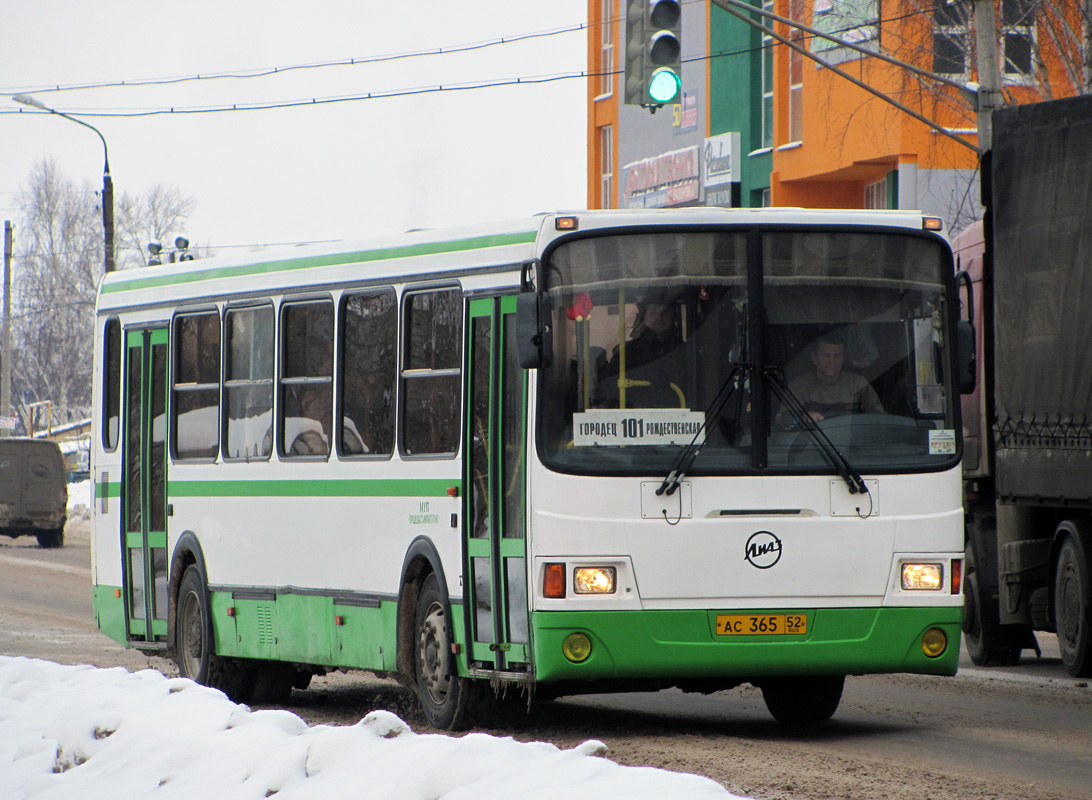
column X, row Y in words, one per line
column 762, row 624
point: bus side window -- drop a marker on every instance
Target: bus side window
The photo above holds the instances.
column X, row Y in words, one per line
column 196, row 406
column 248, row 383
column 432, row 372
column 307, row 374
column 111, row 384
column 369, row 363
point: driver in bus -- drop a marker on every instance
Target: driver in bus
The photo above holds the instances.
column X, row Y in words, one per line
column 829, row 390
column 653, row 359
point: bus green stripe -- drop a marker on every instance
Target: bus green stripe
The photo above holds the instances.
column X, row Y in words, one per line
column 110, row 489
column 313, row 488
column 333, row 259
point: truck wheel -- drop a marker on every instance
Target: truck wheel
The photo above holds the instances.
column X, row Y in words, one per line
column 51, row 539
column 194, row 644
column 445, row 697
column 1073, row 606
column 988, row 643
column 794, row 701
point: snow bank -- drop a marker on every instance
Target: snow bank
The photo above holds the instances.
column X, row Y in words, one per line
column 82, row 732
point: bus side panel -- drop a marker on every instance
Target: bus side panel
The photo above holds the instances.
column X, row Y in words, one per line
column 365, row 637
column 109, row 608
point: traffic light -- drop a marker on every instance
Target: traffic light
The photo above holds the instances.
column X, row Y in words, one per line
column 653, row 53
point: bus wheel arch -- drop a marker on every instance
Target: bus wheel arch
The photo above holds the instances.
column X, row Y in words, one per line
column 187, row 553
column 194, row 641
column 426, row 660
column 421, row 560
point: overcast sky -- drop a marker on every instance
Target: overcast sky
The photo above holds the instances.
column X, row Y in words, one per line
column 318, row 171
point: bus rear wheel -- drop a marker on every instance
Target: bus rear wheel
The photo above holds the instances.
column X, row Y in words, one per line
column 1073, row 605
column 195, row 656
column 445, row 697
column 805, row 699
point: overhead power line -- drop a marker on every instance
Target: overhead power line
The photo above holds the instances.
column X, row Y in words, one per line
column 262, row 72
column 316, row 101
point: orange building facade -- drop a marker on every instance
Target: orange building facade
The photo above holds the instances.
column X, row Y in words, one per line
column 809, row 136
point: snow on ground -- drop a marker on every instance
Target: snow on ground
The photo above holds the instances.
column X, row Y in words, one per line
column 81, row 732
column 79, row 494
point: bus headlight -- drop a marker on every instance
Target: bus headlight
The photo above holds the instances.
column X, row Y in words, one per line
column 927, row 577
column 593, row 580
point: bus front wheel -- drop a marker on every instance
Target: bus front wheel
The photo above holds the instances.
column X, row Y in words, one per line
column 194, row 644
column 803, row 699
column 445, row 697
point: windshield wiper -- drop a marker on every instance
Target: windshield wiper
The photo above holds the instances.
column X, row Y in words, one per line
column 690, row 452
column 852, row 478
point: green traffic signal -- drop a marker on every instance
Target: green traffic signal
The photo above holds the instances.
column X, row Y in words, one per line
column 664, row 86
column 653, row 53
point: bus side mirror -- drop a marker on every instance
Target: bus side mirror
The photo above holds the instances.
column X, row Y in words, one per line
column 534, row 337
column 965, row 356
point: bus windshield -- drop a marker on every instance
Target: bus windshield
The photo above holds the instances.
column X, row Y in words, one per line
column 657, row 346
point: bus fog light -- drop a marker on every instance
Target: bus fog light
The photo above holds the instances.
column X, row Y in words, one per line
column 593, row 580
column 576, row 647
column 934, row 642
column 928, row 577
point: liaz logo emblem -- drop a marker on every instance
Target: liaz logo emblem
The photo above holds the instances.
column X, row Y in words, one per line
column 763, row 550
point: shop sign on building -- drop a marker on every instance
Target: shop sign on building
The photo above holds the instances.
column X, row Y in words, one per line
column 720, row 168
column 669, row 179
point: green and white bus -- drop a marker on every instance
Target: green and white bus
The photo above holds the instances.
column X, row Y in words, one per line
column 444, row 456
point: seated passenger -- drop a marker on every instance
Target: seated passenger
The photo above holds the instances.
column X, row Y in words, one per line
column 829, row 390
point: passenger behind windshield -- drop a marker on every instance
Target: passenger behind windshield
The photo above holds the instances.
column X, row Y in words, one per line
column 648, row 370
column 829, row 390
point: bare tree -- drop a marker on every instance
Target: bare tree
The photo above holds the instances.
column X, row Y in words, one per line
column 58, row 264
column 158, row 215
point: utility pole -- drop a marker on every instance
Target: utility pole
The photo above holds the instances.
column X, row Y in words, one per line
column 5, row 332
column 989, row 70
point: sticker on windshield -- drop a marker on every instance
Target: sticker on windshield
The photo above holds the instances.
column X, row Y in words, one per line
column 637, row 426
column 942, row 443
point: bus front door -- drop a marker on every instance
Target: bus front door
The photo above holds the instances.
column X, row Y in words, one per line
column 495, row 544
column 144, row 493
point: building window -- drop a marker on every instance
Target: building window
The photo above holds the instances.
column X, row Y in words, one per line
column 852, row 21
column 767, row 83
column 1017, row 37
column 796, row 74
column 951, row 36
column 875, row 194
column 606, row 167
column 606, row 45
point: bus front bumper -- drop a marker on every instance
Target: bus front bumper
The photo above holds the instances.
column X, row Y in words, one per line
column 685, row 645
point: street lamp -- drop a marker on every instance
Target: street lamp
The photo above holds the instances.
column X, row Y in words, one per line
column 107, row 181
